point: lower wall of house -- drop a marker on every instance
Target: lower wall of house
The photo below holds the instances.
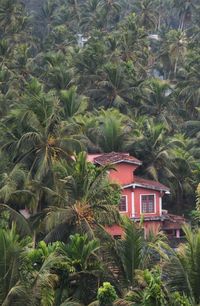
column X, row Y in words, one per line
column 152, row 226
column 149, row 226
column 137, row 203
column 114, row 230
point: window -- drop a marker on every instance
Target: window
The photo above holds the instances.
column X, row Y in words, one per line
column 117, row 237
column 123, row 204
column 147, row 204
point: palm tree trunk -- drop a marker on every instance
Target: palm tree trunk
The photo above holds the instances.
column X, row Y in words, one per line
column 179, row 201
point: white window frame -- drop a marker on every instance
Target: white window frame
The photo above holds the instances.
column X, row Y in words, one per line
column 148, row 194
column 160, row 204
column 124, row 211
column 133, row 203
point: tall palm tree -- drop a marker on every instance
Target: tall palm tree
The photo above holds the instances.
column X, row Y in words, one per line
column 184, row 168
column 12, row 16
column 184, row 9
column 115, row 87
column 173, row 51
column 91, row 16
column 153, row 148
column 156, row 97
column 148, row 16
column 72, row 103
column 188, row 87
column 12, row 290
column 184, row 262
column 113, row 131
column 81, row 255
column 42, row 140
column 123, row 258
column 81, row 206
column 110, row 10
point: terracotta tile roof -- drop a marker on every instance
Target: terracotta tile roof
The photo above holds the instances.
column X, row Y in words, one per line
column 115, row 157
column 173, row 221
column 91, row 157
column 149, row 184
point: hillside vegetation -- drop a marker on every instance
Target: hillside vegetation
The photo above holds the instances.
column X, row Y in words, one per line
column 96, row 76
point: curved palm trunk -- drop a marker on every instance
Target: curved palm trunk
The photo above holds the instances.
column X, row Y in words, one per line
column 179, row 201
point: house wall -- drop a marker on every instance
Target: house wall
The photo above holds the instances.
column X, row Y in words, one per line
column 149, row 226
column 128, row 192
column 134, row 203
column 114, row 230
column 152, row 226
column 123, row 173
column 137, row 203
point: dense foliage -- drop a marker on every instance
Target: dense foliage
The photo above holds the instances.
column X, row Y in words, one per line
column 96, row 76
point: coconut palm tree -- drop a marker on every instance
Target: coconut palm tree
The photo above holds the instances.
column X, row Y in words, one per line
column 81, row 206
column 12, row 290
column 156, row 98
column 42, row 140
column 153, row 148
column 173, row 51
column 123, row 258
column 184, row 168
column 72, row 103
column 12, row 16
column 184, row 262
column 111, row 131
column 184, row 9
column 81, row 255
column 188, row 87
column 115, row 87
column 91, row 16
column 148, row 16
column 110, row 10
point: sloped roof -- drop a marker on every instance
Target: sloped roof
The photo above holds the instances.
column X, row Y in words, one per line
column 115, row 158
column 173, row 221
column 149, row 183
column 144, row 183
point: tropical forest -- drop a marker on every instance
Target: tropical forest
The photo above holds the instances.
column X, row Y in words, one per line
column 86, row 77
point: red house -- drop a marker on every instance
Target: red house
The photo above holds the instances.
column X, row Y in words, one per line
column 141, row 198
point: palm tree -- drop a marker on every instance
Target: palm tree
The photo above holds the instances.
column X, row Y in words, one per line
column 173, row 51
column 81, row 207
column 112, row 131
column 57, row 71
column 123, row 258
column 72, row 103
column 153, row 148
column 12, row 290
column 110, row 10
column 147, row 13
column 91, row 16
column 184, row 168
column 115, row 87
column 156, row 98
column 42, row 140
column 184, row 265
column 188, row 87
column 81, row 255
column 184, row 9
column 133, row 45
column 12, row 16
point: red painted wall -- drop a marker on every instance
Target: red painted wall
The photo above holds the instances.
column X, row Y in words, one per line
column 134, row 203
column 151, row 226
column 114, row 230
column 140, row 191
column 123, row 173
column 128, row 193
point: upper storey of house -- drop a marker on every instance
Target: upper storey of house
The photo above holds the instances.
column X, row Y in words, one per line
column 125, row 166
